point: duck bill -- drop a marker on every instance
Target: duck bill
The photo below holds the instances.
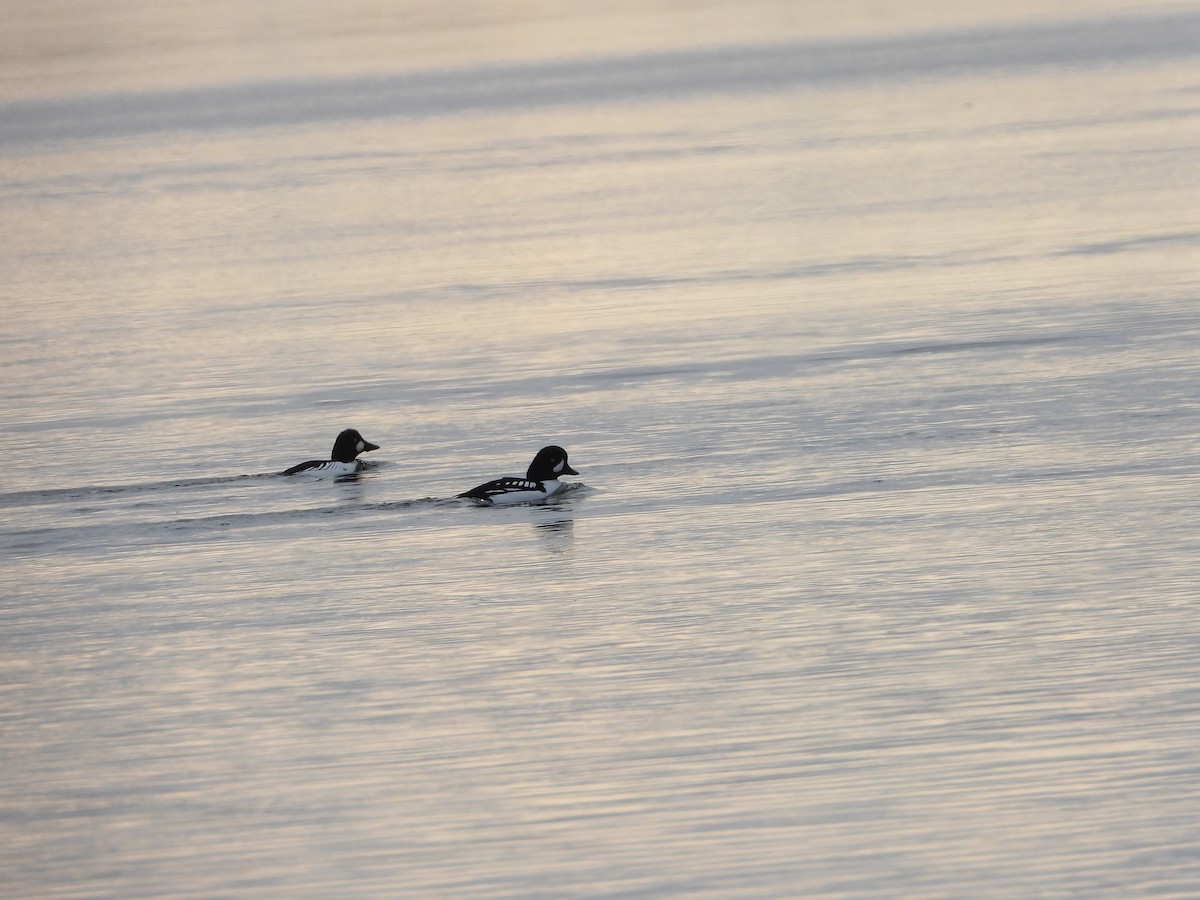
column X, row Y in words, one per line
column 567, row 470
column 367, row 445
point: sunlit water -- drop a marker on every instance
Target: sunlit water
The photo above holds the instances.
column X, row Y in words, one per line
column 874, row 345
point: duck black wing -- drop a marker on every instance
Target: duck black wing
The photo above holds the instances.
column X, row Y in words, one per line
column 304, row 466
column 503, row 487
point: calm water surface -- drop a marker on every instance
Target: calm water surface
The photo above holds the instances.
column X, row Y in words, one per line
column 872, row 338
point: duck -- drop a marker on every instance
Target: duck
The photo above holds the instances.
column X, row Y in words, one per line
column 540, row 481
column 342, row 461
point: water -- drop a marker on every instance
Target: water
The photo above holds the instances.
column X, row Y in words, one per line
column 873, row 338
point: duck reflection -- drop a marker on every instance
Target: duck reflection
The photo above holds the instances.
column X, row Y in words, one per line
column 557, row 531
